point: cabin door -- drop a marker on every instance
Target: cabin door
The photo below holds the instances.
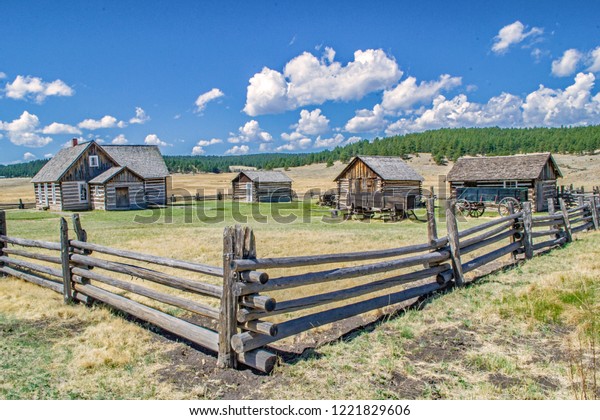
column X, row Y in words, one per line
column 122, row 195
column 249, row 197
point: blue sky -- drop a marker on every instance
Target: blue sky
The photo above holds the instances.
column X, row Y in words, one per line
column 208, row 78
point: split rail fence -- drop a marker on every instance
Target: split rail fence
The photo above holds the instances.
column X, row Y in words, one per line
column 234, row 315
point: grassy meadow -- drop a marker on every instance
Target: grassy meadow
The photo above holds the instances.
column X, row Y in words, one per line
column 528, row 332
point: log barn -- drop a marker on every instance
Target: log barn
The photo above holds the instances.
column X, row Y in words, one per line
column 378, row 183
column 538, row 172
column 262, row 186
column 88, row 176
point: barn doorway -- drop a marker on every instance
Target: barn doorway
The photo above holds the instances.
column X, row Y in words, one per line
column 122, row 197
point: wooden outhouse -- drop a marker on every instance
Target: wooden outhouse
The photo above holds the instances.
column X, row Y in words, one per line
column 262, row 186
column 378, row 183
column 118, row 188
column 537, row 172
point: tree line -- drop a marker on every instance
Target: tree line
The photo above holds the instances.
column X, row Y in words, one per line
column 443, row 144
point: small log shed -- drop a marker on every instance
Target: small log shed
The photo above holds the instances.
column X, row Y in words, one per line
column 378, row 182
column 262, row 186
column 538, row 172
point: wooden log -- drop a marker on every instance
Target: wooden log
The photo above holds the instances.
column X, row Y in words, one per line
column 594, row 208
column 65, row 260
column 227, row 327
column 453, row 240
column 552, row 223
column 545, row 233
column 27, row 276
column 487, row 258
column 151, row 275
column 580, row 200
column 3, row 232
column 168, row 262
column 194, row 333
column 53, row 246
column 574, row 221
column 264, row 303
column 486, row 242
column 32, row 255
column 179, row 302
column 258, row 359
column 340, row 273
column 548, row 218
column 249, row 340
column 476, row 239
column 549, row 243
column 432, row 234
column 566, row 222
column 254, row 277
column 581, row 228
column 31, row 266
column 261, row 327
column 487, row 225
column 576, row 209
column 285, row 262
column 80, row 233
column 294, row 305
column 527, row 229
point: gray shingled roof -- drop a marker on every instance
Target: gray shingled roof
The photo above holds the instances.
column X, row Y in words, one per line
column 389, row 168
column 266, row 176
column 495, row 168
column 145, row 161
column 109, row 173
column 60, row 163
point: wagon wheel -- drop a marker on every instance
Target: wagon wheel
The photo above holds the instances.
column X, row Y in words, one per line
column 477, row 210
column 463, row 207
column 503, row 205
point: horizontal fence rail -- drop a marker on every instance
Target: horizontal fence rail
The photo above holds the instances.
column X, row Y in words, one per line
column 244, row 318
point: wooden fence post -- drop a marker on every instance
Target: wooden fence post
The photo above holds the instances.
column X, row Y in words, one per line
column 580, row 200
column 65, row 260
column 565, row 213
column 2, row 232
column 452, row 227
column 517, row 236
column 527, row 229
column 431, row 223
column 82, row 237
column 594, row 211
column 238, row 243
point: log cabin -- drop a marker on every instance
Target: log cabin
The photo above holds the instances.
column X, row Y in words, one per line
column 536, row 172
column 88, row 176
column 262, row 186
column 376, row 183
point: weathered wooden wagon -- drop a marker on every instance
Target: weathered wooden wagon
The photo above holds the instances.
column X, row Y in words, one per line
column 536, row 172
column 262, row 186
column 378, row 184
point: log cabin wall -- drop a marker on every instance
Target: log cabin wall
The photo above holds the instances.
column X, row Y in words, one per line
column 239, row 188
column 156, row 191
column 136, row 195
column 71, row 196
column 98, row 196
column 272, row 192
column 48, row 195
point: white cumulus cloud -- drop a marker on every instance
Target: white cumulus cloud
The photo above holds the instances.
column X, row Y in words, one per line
column 204, row 143
column 24, row 131
column 366, row 121
column 567, row 64
column 28, row 87
column 307, row 80
column 107, row 121
column 513, row 34
column 206, row 97
column 198, row 150
column 58, row 128
column 249, row 132
column 28, row 156
column 329, row 142
column 312, row 122
column 120, row 140
column 407, row 93
column 594, row 58
column 140, row 116
column 238, row 150
column 153, row 140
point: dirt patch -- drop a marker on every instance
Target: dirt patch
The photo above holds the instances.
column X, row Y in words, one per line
column 407, row 388
column 503, row 381
column 441, row 345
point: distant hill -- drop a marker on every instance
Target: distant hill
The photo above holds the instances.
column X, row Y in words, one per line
column 443, row 144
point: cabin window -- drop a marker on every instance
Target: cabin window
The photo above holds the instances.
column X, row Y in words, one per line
column 53, row 193
column 510, row 184
column 83, row 192
column 94, row 161
column 40, row 197
column 46, row 194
